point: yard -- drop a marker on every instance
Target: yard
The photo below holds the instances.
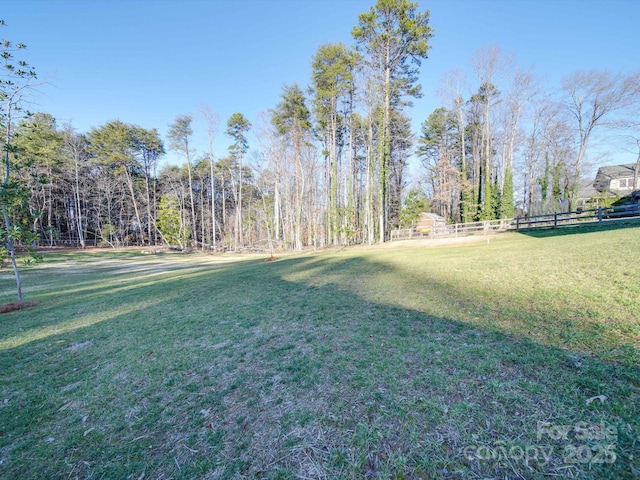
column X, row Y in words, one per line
column 514, row 358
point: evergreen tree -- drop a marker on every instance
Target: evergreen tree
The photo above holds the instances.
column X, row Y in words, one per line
column 170, row 223
column 414, row 205
column 544, row 183
column 507, row 208
column 39, row 147
column 180, row 133
column 237, row 128
column 292, row 121
column 395, row 36
column 333, row 88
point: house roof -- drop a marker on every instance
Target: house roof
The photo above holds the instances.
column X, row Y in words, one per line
column 618, row 171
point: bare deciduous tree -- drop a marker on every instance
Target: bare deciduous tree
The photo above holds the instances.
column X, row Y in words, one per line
column 591, row 99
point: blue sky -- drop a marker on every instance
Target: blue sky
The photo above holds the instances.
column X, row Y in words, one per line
column 147, row 61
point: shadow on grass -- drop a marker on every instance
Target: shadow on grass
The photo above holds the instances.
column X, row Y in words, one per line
column 589, row 227
column 297, row 368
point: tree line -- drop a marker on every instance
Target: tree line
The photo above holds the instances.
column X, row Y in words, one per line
column 511, row 147
column 329, row 166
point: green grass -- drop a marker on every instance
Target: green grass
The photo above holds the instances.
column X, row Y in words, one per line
column 403, row 363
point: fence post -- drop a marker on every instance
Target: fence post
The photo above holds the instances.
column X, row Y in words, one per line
column 555, row 219
column 517, row 223
column 599, row 214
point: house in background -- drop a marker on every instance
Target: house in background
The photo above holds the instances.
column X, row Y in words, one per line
column 613, row 185
column 429, row 220
column 617, row 179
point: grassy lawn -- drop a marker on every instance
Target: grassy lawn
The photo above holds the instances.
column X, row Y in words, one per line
column 516, row 358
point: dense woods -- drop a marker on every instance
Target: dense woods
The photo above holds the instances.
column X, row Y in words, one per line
column 329, row 163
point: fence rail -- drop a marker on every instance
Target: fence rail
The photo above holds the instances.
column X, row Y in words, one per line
column 552, row 220
column 599, row 215
column 455, row 230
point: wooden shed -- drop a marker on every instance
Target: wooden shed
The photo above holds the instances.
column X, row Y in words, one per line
column 429, row 220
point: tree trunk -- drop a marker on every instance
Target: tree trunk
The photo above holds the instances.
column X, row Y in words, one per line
column 78, row 204
column 135, row 203
column 213, row 203
column 7, row 221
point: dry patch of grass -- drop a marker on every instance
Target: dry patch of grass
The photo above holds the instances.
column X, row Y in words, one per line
column 14, row 306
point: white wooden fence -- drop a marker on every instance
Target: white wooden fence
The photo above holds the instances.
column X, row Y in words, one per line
column 455, row 230
column 552, row 220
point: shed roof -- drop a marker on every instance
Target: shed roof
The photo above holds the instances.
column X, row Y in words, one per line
column 433, row 216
